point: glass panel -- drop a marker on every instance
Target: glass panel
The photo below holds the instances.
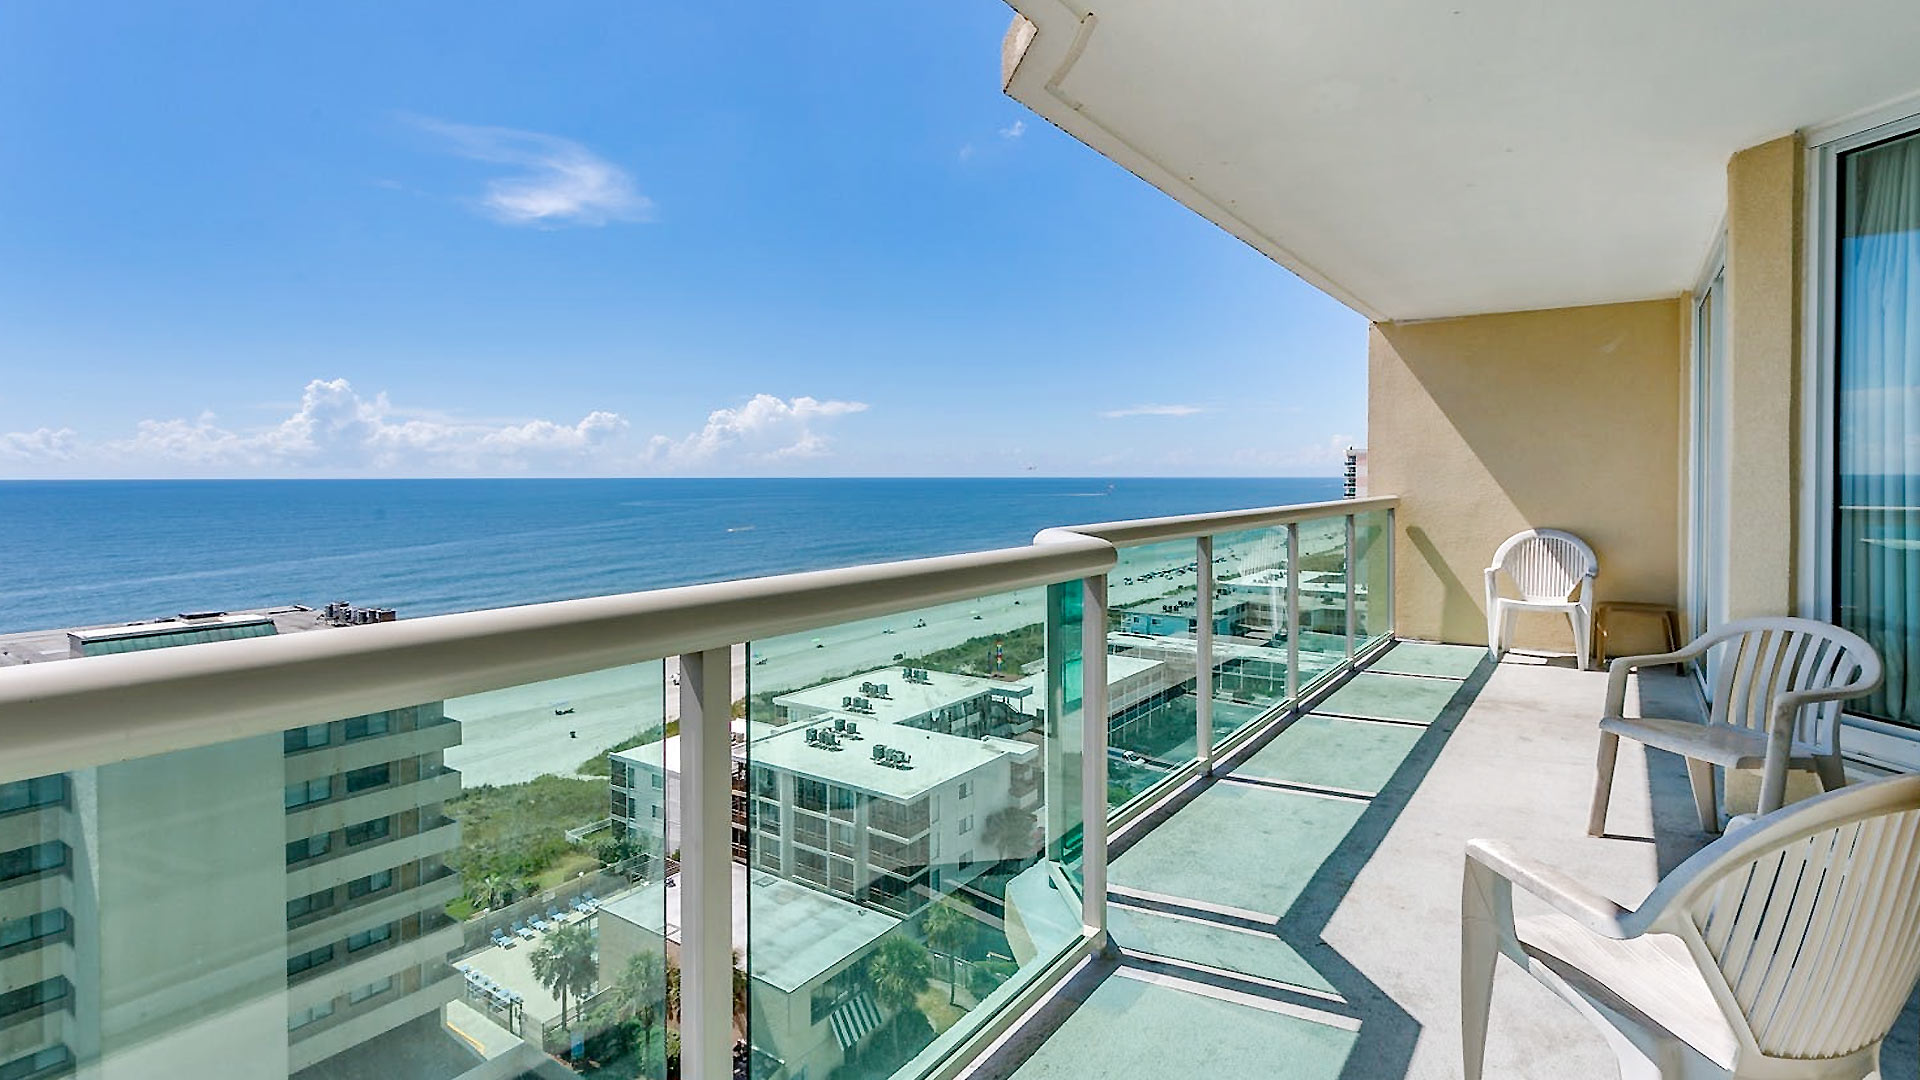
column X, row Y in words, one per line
column 1153, row 632
column 1372, row 577
column 1250, row 602
column 1323, row 597
column 363, row 928
column 1877, row 534
column 917, row 745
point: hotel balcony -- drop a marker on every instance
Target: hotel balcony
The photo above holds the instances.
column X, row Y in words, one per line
column 1598, row 246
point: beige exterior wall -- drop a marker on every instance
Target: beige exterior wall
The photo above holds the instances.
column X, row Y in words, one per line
column 1765, row 198
column 1486, row 425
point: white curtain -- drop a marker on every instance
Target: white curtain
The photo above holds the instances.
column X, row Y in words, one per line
column 1877, row 546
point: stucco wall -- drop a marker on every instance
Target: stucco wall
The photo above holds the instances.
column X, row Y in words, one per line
column 1764, row 200
column 1489, row 424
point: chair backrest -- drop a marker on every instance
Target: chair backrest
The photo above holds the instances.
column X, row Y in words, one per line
column 1762, row 658
column 1545, row 564
column 1806, row 923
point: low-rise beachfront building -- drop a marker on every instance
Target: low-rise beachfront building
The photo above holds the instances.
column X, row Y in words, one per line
column 892, row 815
column 327, row 927
column 1181, row 616
column 645, row 780
column 809, row 997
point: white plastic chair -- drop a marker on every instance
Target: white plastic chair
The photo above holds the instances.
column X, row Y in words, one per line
column 1548, row 567
column 1776, row 706
column 1783, row 951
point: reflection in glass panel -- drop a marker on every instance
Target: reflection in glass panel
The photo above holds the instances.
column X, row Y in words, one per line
column 898, row 828
column 1323, row 597
column 1877, row 522
column 369, row 906
column 1153, row 625
column 1250, row 638
column 1372, row 577
column 569, row 836
column 386, row 906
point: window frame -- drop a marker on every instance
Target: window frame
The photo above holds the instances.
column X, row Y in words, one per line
column 1874, row 742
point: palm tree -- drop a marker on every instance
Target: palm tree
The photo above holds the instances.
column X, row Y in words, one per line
column 492, row 891
column 948, row 929
column 1009, row 832
column 739, row 991
column 898, row 971
column 643, row 990
column 565, row 965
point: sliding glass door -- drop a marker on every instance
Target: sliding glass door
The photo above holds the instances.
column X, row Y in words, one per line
column 1707, row 524
column 1876, row 528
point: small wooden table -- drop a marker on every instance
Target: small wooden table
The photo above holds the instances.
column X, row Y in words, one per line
column 1670, row 620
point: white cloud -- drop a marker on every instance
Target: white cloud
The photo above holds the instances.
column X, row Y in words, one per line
column 1014, row 130
column 45, row 444
column 1153, row 410
column 337, row 431
column 966, row 151
column 560, row 183
column 765, row 429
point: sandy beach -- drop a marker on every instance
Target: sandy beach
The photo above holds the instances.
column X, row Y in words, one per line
column 513, row 735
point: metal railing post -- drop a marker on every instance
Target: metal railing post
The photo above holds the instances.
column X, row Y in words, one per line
column 1393, row 584
column 1353, row 615
column 706, row 865
column 1293, row 612
column 1203, row 653
column 1093, row 760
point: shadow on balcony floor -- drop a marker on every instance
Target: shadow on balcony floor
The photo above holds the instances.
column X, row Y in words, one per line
column 1298, row 915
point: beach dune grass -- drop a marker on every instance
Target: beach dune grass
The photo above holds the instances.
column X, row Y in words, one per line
column 598, row 765
column 518, row 831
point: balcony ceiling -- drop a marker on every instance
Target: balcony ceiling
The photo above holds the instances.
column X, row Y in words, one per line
column 1420, row 158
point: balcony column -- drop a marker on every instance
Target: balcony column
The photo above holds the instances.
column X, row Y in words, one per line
column 1203, row 653
column 1093, row 761
column 1293, row 613
column 706, row 874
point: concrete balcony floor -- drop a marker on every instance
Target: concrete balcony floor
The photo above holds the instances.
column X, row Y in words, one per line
column 1298, row 914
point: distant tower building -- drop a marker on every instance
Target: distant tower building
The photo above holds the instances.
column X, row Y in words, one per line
column 1356, row 472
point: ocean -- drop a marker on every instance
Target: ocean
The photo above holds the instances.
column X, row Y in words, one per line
column 75, row 553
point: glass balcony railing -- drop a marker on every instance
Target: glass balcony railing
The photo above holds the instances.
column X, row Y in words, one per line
column 857, row 816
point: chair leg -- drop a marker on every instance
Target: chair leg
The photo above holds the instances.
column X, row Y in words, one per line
column 1582, row 637
column 1479, row 955
column 1493, row 628
column 1705, row 799
column 1833, row 775
column 1603, row 783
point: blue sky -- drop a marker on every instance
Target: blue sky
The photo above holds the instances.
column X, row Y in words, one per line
column 611, row 239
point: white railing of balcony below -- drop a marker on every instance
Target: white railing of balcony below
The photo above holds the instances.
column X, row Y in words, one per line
column 86, row 712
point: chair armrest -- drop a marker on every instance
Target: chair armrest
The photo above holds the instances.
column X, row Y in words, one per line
column 1493, row 863
column 1618, row 670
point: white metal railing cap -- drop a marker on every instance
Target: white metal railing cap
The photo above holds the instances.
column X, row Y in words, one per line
column 1189, row 526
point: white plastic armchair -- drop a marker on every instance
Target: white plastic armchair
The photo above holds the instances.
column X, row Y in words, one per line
column 1783, row 951
column 1775, row 706
column 1553, row 571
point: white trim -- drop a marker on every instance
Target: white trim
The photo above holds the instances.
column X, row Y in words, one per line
column 1879, row 743
column 1873, row 741
column 1847, row 127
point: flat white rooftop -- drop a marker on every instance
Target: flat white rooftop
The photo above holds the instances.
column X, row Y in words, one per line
column 41, row 646
column 904, row 701
column 937, row 758
column 817, row 933
column 1120, row 668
